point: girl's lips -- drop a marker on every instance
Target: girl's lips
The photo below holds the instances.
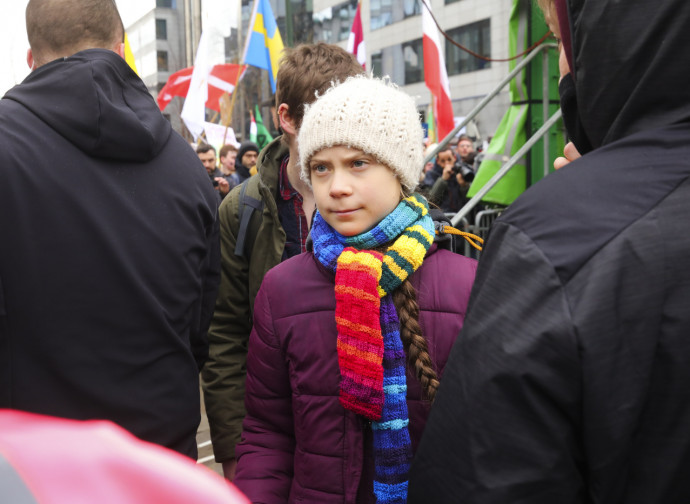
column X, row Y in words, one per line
column 345, row 212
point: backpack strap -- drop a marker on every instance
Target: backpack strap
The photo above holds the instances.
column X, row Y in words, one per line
column 251, row 204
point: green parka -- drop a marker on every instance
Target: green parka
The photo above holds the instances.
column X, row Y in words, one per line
column 223, row 377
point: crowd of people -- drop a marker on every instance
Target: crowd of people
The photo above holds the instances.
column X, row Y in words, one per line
column 345, row 355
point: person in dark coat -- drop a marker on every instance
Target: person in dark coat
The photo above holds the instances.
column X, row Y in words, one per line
column 109, row 262
column 570, row 381
column 341, row 377
column 246, row 160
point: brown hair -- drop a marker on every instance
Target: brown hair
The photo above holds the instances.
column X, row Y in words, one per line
column 548, row 8
column 308, row 70
column 225, row 149
column 416, row 348
column 60, row 28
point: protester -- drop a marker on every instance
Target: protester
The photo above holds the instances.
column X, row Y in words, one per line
column 341, row 361
column 570, row 381
column 447, row 190
column 228, row 155
column 465, row 149
column 48, row 460
column 246, row 160
column 275, row 231
column 207, row 156
column 109, row 259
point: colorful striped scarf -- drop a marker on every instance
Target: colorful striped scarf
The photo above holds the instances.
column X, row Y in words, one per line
column 370, row 353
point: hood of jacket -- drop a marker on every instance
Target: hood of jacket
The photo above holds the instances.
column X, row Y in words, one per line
column 627, row 61
column 97, row 102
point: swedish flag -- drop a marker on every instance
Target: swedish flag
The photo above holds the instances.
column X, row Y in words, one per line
column 264, row 44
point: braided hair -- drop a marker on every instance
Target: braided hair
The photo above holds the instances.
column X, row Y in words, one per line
column 416, row 348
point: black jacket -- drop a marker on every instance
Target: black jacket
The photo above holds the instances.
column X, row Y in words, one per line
column 570, row 382
column 109, row 253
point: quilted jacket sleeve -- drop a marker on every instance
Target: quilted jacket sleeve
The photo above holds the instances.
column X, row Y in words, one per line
column 265, row 455
column 503, row 426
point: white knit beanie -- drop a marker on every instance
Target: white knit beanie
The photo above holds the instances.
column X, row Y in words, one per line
column 368, row 114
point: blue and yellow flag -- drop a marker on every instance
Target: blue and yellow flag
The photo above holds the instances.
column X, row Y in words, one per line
column 129, row 56
column 264, row 44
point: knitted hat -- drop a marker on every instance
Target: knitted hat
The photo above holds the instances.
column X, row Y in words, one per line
column 246, row 147
column 369, row 114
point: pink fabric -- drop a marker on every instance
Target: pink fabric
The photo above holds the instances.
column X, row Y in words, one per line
column 71, row 462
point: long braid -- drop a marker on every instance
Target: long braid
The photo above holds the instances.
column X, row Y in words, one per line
column 416, row 348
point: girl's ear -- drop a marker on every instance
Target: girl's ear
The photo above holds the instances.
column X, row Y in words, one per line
column 287, row 124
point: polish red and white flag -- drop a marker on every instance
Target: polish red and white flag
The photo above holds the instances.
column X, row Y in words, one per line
column 355, row 43
column 435, row 75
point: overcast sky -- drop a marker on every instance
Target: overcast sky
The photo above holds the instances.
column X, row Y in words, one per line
column 13, row 41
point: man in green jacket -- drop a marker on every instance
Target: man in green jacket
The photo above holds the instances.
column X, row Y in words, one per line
column 263, row 221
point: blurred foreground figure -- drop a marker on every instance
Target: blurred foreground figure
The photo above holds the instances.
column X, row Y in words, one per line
column 570, row 382
column 47, row 460
column 109, row 252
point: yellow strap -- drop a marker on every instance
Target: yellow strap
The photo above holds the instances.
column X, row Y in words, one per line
column 467, row 236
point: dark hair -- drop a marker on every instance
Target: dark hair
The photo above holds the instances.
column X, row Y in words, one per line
column 204, row 148
column 447, row 148
column 309, row 69
column 61, row 28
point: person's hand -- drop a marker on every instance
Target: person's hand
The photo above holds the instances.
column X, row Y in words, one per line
column 461, row 180
column 447, row 172
column 570, row 154
column 223, row 185
column 229, row 467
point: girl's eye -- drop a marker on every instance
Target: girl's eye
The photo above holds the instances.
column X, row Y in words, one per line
column 319, row 168
column 359, row 163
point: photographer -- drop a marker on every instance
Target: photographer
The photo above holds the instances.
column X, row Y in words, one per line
column 449, row 180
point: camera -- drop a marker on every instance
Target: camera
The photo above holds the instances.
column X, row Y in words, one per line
column 465, row 170
column 215, row 183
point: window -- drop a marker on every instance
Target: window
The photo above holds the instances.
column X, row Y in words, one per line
column 386, row 12
column 162, row 57
column 404, row 63
column 451, row 1
column 161, row 29
column 333, row 24
column 413, row 54
column 377, row 64
column 477, row 38
column 166, row 3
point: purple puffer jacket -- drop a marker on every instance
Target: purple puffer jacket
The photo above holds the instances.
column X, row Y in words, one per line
column 298, row 443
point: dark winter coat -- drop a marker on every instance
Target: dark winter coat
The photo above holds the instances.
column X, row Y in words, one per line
column 570, row 382
column 299, row 444
column 109, row 253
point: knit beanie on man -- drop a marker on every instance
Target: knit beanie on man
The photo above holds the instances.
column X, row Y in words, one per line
column 368, row 114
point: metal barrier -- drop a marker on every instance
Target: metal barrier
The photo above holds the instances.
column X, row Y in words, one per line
column 480, row 106
column 459, row 220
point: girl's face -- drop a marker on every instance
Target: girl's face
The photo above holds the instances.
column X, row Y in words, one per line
column 353, row 191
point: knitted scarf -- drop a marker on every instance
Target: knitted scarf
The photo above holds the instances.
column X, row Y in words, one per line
column 370, row 353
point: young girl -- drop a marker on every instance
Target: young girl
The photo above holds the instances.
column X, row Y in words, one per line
column 349, row 341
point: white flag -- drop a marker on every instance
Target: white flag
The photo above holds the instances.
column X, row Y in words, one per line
column 194, row 109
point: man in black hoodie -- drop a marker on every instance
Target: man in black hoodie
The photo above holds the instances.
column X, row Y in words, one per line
column 570, row 381
column 109, row 255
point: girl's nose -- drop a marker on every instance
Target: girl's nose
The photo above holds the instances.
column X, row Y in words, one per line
column 340, row 183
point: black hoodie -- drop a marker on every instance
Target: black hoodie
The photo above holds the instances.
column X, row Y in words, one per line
column 108, row 252
column 570, row 382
